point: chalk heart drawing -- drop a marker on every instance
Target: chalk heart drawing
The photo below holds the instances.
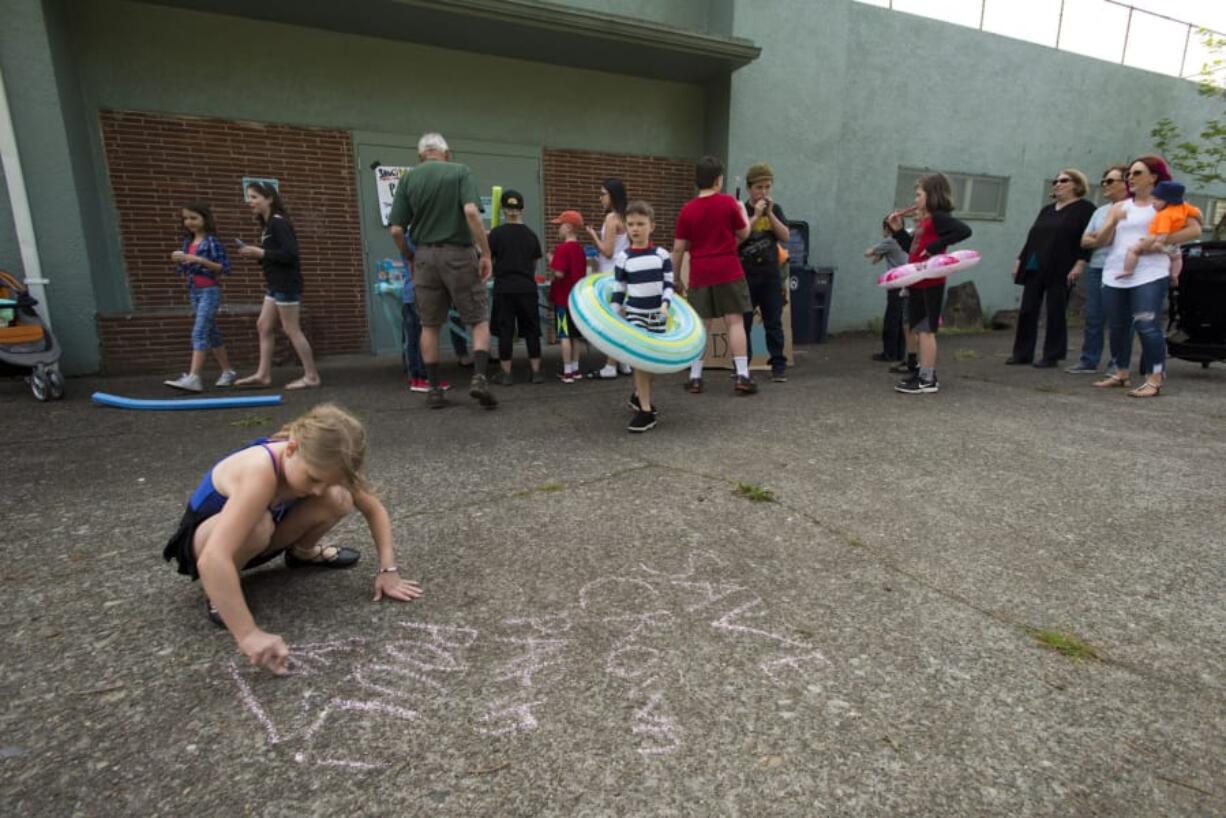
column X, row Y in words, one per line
column 411, row 677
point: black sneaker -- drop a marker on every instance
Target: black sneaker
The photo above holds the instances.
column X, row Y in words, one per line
column 505, row 379
column 779, row 375
column 642, row 421
column 905, row 368
column 633, row 403
column 916, row 386
column 479, row 389
column 537, row 377
column 745, row 386
column 436, row 398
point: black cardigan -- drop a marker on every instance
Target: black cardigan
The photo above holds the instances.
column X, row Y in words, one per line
column 1055, row 242
column 948, row 229
column 280, row 261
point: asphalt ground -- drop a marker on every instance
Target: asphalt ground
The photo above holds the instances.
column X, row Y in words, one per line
column 611, row 628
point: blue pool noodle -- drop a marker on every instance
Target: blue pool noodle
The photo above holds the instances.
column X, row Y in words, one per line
column 120, row 402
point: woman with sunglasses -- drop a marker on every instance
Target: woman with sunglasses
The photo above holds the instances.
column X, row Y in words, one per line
column 1136, row 301
column 1051, row 260
column 1114, row 185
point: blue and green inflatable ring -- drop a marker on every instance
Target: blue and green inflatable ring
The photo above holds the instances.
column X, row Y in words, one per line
column 591, row 308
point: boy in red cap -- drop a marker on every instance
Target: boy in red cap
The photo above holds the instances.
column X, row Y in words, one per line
column 568, row 264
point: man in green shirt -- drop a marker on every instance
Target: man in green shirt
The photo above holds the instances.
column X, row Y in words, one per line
column 439, row 202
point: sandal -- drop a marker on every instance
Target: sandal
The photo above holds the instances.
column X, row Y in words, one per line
column 323, row 556
column 211, row 610
column 253, row 382
column 1146, row 390
column 1112, row 381
column 303, row 383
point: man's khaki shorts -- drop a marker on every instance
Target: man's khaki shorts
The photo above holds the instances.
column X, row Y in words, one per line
column 719, row 300
column 447, row 274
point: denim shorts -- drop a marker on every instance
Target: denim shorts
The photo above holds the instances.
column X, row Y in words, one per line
column 284, row 298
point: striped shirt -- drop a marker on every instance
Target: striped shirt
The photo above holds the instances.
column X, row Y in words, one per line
column 642, row 280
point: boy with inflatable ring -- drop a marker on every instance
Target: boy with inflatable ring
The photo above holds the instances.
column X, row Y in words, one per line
column 642, row 292
column 935, row 231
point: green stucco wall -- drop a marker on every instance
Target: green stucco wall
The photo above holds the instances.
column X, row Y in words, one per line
column 54, row 156
column 846, row 93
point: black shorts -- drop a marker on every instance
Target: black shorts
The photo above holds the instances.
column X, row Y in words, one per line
column 924, row 308
column 180, row 547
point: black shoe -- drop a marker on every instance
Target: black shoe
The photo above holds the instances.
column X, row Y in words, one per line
column 505, row 379
column 345, row 558
column 917, row 386
column 633, row 403
column 779, row 375
column 1012, row 361
column 882, row 357
column 213, row 615
column 436, row 398
column 745, row 386
column 905, row 368
column 479, row 389
column 537, row 377
column 642, row 421
column 1046, row 363
column 693, row 386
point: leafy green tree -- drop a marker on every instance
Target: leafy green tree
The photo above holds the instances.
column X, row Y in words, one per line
column 1205, row 158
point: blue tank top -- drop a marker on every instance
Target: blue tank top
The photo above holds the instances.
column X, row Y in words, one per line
column 207, row 500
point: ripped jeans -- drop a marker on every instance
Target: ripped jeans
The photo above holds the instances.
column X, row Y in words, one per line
column 1139, row 308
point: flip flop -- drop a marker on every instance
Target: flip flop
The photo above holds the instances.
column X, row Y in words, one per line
column 303, row 383
column 251, row 382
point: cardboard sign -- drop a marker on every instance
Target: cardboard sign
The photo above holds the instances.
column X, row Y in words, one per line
column 718, row 354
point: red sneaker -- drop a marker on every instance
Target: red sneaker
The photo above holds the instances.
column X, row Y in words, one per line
column 419, row 385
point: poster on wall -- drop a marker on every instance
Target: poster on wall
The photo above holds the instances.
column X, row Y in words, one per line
column 247, row 180
column 386, row 179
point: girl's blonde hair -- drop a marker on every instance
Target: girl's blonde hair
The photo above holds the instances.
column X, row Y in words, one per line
column 330, row 439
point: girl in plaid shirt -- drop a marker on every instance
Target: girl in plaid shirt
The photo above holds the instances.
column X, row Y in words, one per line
column 202, row 260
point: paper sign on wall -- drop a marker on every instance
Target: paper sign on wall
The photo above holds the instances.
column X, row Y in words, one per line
column 267, row 180
column 387, row 177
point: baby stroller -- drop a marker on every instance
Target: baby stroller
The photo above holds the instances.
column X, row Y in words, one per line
column 1196, row 330
column 26, row 343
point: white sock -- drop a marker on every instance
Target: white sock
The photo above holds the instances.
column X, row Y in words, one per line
column 570, row 366
column 741, row 362
column 696, row 369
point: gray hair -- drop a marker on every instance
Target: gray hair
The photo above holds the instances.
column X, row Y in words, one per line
column 432, row 142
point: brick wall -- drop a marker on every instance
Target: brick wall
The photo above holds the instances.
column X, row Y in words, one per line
column 572, row 182
column 157, row 163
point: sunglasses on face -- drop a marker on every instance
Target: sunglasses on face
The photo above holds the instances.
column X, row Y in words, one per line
column 1135, row 173
column 1109, row 182
column 1063, row 180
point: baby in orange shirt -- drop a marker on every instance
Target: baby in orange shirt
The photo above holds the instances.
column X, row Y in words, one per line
column 1172, row 216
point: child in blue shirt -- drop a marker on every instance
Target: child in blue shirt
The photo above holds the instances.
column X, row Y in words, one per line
column 414, row 366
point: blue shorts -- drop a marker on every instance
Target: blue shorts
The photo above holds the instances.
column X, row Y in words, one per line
column 564, row 326
column 285, row 298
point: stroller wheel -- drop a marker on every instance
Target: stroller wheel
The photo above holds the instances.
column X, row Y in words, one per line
column 55, row 384
column 38, row 384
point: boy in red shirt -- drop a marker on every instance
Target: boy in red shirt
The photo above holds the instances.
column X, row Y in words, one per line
column 568, row 264
column 709, row 228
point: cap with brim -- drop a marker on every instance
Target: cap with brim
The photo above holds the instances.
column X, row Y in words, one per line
column 512, row 199
column 572, row 217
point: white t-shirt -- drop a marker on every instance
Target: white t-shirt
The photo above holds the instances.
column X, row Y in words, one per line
column 604, row 264
column 1128, row 231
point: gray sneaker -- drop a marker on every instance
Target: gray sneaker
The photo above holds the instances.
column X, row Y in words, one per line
column 227, row 378
column 479, row 389
column 505, row 379
column 186, row 382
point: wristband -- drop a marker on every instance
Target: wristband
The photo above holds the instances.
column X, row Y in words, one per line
column 392, row 570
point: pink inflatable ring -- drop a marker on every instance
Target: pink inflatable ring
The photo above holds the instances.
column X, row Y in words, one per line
column 935, row 267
